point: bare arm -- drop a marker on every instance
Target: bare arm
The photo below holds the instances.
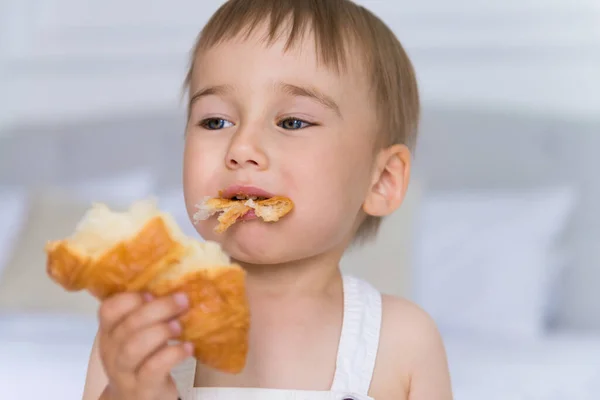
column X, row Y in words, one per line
column 431, row 377
column 96, row 380
column 411, row 361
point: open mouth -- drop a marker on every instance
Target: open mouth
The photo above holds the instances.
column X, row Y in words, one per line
column 244, row 197
column 245, row 193
column 239, row 203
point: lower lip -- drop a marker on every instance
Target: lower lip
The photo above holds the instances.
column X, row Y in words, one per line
column 250, row 215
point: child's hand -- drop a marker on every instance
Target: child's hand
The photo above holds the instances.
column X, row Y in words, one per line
column 133, row 344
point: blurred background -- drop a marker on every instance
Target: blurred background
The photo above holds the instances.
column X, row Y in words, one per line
column 498, row 238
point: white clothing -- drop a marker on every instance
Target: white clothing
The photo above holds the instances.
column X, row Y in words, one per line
column 355, row 362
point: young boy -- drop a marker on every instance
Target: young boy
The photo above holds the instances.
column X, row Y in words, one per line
column 315, row 100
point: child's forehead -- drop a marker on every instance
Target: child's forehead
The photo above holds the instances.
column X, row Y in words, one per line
column 254, row 62
column 339, row 52
column 251, row 64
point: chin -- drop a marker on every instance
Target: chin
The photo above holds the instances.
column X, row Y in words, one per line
column 251, row 242
column 245, row 241
column 269, row 243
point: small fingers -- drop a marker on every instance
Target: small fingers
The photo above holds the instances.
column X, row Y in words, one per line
column 115, row 309
column 159, row 365
column 142, row 344
column 152, row 312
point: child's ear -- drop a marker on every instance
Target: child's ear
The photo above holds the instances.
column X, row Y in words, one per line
column 389, row 182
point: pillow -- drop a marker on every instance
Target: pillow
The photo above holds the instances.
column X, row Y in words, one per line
column 486, row 262
column 53, row 214
column 13, row 210
column 386, row 262
column 24, row 284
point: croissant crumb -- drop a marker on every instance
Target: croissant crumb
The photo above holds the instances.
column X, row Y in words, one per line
column 231, row 210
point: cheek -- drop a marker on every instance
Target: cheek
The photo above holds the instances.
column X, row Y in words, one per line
column 200, row 168
column 339, row 172
column 331, row 186
column 206, row 230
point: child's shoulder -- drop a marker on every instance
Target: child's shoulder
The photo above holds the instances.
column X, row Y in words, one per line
column 407, row 330
column 411, row 354
column 402, row 318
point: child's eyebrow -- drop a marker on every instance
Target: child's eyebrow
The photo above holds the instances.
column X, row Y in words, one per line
column 218, row 90
column 288, row 88
column 310, row 92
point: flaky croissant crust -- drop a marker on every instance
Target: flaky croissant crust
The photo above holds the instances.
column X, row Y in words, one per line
column 157, row 261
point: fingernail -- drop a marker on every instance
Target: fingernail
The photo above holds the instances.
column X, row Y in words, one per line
column 148, row 297
column 181, row 299
column 175, row 327
column 189, row 348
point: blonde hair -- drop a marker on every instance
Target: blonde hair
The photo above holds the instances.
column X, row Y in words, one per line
column 342, row 30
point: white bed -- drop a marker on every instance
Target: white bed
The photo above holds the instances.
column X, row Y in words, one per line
column 46, row 357
column 561, row 366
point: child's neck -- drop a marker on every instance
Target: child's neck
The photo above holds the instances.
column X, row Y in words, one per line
column 313, row 276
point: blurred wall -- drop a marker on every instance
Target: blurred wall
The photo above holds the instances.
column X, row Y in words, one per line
column 70, row 59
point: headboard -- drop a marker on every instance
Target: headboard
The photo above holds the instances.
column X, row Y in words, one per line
column 466, row 149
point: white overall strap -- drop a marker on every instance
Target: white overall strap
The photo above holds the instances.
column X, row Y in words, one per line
column 184, row 375
column 359, row 340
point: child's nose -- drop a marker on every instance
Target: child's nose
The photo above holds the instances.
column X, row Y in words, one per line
column 245, row 153
column 234, row 163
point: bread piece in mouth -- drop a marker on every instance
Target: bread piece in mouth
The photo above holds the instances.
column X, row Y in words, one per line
column 231, row 210
column 143, row 249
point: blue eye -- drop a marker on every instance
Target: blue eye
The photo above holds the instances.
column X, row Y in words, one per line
column 293, row 124
column 215, row 124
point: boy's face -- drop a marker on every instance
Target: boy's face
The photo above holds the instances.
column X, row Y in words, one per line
column 279, row 121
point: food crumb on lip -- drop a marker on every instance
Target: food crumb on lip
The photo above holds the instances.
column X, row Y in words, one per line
column 243, row 192
column 245, row 197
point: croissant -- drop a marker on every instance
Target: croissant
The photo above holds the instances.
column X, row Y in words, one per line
column 231, row 210
column 143, row 249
